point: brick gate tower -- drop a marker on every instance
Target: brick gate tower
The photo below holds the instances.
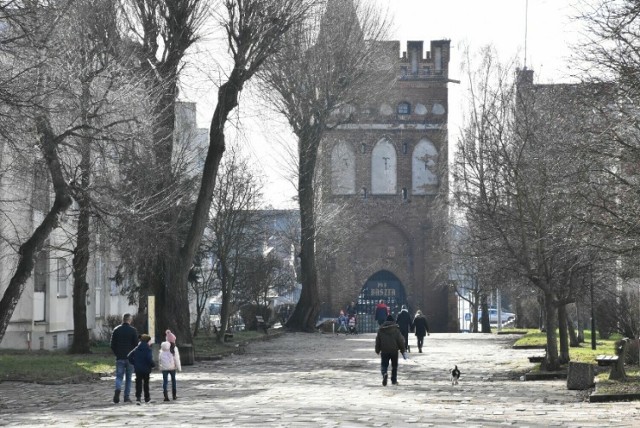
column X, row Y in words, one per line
column 384, row 176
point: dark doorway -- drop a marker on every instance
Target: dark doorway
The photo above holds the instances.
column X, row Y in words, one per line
column 383, row 285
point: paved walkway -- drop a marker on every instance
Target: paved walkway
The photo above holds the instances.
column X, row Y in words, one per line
column 308, row 380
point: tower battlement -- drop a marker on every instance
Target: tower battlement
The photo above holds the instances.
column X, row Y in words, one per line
column 416, row 64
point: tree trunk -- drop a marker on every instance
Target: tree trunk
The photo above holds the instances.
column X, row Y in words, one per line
column 32, row 246
column 306, row 311
column 551, row 361
column 227, row 101
column 486, row 324
column 573, row 336
column 564, row 335
column 80, row 343
column 226, row 302
column 579, row 311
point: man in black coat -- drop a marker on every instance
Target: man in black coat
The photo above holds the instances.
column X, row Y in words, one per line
column 123, row 339
column 404, row 323
column 388, row 342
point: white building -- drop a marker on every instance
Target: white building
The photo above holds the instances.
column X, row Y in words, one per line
column 43, row 317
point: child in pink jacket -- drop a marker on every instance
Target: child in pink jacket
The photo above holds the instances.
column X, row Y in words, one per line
column 169, row 361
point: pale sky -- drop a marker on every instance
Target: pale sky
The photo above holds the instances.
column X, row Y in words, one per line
column 550, row 35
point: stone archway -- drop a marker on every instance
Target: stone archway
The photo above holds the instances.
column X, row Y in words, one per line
column 382, row 285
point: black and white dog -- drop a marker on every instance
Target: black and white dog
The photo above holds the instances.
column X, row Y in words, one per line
column 455, row 375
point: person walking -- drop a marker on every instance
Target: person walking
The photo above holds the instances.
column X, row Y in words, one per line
column 169, row 360
column 351, row 310
column 142, row 360
column 381, row 313
column 421, row 328
column 124, row 338
column 405, row 323
column 389, row 341
column 342, row 323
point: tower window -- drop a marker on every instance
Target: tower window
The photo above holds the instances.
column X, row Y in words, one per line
column 405, row 148
column 364, row 193
column 404, row 108
column 363, row 148
column 404, row 194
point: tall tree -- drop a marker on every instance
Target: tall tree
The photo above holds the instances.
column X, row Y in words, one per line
column 330, row 60
column 162, row 32
column 516, row 173
column 234, row 217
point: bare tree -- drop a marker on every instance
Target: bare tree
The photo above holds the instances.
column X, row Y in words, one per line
column 329, row 60
column 49, row 98
column 609, row 60
column 162, row 32
column 234, row 218
column 516, row 174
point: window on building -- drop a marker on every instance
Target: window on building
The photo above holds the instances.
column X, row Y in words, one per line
column 62, row 277
column 404, row 108
column 383, row 168
column 404, row 194
column 113, row 278
column 343, row 169
column 40, row 276
column 424, row 168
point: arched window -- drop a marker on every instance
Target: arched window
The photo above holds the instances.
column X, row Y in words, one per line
column 383, row 168
column 343, row 169
column 423, row 171
column 404, row 108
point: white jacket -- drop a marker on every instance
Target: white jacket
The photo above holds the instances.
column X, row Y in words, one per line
column 167, row 360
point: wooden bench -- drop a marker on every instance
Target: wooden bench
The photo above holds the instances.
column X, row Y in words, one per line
column 616, row 362
column 261, row 324
column 537, row 358
column 606, row 360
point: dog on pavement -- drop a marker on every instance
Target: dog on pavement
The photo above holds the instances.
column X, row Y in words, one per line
column 455, row 375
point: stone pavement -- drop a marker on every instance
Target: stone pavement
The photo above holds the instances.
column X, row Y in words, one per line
column 323, row 380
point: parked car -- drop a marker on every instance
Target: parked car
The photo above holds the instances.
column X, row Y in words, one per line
column 493, row 316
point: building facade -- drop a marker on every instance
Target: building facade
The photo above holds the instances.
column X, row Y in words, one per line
column 385, row 179
column 43, row 317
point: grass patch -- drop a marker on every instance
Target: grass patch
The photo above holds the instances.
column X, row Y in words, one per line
column 585, row 354
column 631, row 385
column 58, row 366
column 582, row 353
column 54, row 366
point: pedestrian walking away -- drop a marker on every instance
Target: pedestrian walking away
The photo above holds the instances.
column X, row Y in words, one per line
column 351, row 310
column 381, row 313
column 421, row 328
column 169, row 361
column 405, row 323
column 142, row 360
column 124, row 338
column 389, row 341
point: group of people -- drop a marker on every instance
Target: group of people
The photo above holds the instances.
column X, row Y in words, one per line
column 393, row 337
column 134, row 355
column 347, row 321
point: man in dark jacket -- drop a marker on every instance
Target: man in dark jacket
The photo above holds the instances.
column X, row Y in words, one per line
column 382, row 310
column 389, row 341
column 123, row 339
column 404, row 324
